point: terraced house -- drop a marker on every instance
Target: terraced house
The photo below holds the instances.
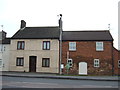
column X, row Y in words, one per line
column 51, row 50
column 35, row 49
column 89, row 53
column 4, row 51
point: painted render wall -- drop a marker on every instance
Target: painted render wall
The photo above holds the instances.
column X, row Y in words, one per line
column 4, row 55
column 1, row 56
column 33, row 47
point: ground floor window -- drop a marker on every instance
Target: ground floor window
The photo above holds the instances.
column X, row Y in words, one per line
column 70, row 62
column 96, row 63
column 118, row 63
column 0, row 62
column 46, row 62
column 20, row 61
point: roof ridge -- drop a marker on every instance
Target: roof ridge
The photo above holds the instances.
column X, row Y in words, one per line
column 89, row 31
column 42, row 27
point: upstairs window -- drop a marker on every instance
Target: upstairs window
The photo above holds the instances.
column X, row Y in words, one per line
column 96, row 62
column 19, row 61
column 99, row 46
column 46, row 62
column 46, row 45
column 118, row 63
column 20, row 45
column 72, row 46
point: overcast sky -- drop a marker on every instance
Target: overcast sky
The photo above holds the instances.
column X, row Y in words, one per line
column 77, row 14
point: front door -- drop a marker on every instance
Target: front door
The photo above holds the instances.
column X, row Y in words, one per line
column 83, row 68
column 32, row 63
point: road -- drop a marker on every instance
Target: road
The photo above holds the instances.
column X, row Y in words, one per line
column 22, row 82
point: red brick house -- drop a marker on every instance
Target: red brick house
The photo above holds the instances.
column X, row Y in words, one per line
column 88, row 52
column 116, row 61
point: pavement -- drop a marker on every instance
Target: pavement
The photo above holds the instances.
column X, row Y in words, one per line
column 56, row 76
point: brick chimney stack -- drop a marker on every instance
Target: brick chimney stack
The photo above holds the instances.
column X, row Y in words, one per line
column 2, row 35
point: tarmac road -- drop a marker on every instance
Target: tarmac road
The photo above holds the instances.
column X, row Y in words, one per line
column 24, row 82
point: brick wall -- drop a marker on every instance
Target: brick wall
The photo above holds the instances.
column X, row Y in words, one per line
column 116, row 58
column 86, row 52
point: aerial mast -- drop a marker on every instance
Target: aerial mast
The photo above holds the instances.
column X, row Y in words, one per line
column 108, row 26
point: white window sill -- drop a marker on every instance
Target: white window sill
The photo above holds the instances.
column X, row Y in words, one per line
column 96, row 66
column 99, row 50
column 72, row 50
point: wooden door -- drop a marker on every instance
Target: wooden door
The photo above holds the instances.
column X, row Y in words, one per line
column 32, row 63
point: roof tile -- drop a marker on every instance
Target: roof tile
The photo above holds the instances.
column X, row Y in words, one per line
column 87, row 35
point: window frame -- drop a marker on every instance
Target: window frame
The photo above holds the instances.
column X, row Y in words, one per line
column 96, row 63
column 72, row 47
column 47, row 43
column 69, row 62
column 21, row 62
column 20, row 45
column 1, row 63
column 46, row 62
column 118, row 63
column 98, row 47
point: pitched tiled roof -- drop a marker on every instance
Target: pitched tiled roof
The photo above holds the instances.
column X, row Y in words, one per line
column 87, row 35
column 5, row 41
column 37, row 33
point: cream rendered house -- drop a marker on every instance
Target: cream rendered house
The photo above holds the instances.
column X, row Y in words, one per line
column 35, row 49
column 4, row 51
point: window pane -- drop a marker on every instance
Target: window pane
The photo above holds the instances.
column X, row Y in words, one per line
column 0, row 63
column 119, row 63
column 45, row 62
column 20, row 61
column 44, row 45
column 48, row 45
column 22, row 45
column 69, row 61
column 18, row 45
column 99, row 46
column 96, row 62
column 72, row 45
